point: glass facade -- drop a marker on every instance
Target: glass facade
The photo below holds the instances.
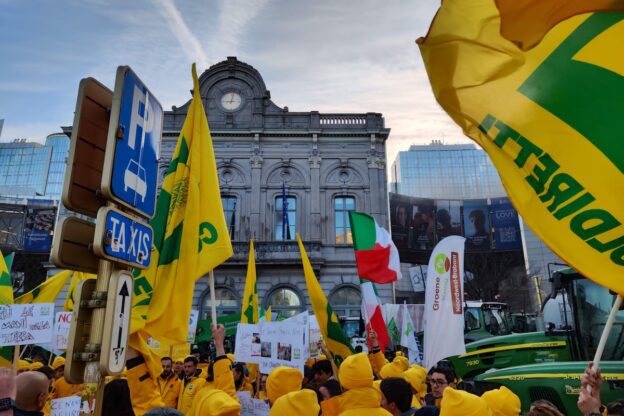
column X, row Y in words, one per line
column 458, row 171
column 29, row 169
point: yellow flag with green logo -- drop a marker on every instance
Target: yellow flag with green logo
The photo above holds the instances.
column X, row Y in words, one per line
column 77, row 277
column 337, row 342
column 551, row 119
column 48, row 291
column 190, row 233
column 249, row 312
column 6, row 285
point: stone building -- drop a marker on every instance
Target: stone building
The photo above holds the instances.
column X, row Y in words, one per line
column 323, row 164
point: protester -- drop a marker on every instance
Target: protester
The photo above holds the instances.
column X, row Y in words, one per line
column 331, row 388
column 8, row 388
column 178, row 368
column 502, row 401
column 356, row 376
column 240, row 381
column 116, row 400
column 458, row 402
column 281, row 381
column 543, row 408
column 396, row 396
column 416, row 377
column 168, row 383
column 262, row 394
column 32, row 393
column 215, row 402
column 392, row 370
column 58, row 365
column 190, row 385
column 297, row 403
column 322, row 371
column 441, row 378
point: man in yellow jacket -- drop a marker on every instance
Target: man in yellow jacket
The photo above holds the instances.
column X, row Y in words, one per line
column 169, row 383
column 191, row 384
column 361, row 398
column 60, row 387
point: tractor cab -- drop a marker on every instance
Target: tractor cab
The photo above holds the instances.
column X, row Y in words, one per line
column 485, row 319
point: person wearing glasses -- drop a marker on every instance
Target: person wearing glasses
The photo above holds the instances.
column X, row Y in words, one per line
column 441, row 378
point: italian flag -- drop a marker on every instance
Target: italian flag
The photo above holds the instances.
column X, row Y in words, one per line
column 371, row 312
column 376, row 256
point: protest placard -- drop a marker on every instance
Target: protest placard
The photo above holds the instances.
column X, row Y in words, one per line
column 248, row 343
column 251, row 406
column 62, row 322
column 315, row 337
column 67, row 406
column 26, row 324
column 192, row 329
column 284, row 343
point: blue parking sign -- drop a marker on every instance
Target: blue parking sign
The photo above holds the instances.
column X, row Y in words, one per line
column 131, row 160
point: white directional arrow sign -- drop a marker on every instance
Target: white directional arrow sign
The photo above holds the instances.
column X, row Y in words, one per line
column 116, row 323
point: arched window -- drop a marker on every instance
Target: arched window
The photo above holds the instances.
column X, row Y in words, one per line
column 227, row 302
column 284, row 303
column 346, row 302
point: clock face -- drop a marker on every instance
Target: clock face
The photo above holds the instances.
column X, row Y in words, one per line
column 231, row 101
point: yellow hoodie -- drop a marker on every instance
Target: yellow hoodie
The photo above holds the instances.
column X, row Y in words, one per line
column 503, row 402
column 215, row 402
column 458, row 402
column 361, row 398
column 300, row 403
column 281, row 381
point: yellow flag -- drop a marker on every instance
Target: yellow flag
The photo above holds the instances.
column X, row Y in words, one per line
column 6, row 286
column 525, row 22
column 48, row 291
column 551, row 119
column 335, row 338
column 249, row 312
column 267, row 315
column 77, row 277
column 190, row 235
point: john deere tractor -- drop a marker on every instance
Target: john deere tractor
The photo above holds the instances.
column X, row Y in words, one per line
column 548, row 365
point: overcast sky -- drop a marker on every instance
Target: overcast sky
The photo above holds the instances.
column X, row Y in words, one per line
column 324, row 55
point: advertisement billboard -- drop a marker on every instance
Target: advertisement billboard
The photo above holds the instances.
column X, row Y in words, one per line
column 506, row 225
column 39, row 226
column 477, row 228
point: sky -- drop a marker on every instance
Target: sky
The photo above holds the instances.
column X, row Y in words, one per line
column 349, row 56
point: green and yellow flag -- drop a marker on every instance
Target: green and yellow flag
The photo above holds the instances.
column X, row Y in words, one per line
column 249, row 312
column 335, row 338
column 6, row 285
column 551, row 119
column 77, row 277
column 46, row 292
column 190, row 234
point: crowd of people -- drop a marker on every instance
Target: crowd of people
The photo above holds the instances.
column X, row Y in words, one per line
column 363, row 384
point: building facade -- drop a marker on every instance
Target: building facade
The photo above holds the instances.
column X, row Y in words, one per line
column 323, row 165
column 464, row 172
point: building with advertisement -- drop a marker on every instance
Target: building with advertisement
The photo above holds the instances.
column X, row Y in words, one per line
column 323, row 165
column 456, row 187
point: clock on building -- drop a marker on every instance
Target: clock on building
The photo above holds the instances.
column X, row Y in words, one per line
column 231, row 101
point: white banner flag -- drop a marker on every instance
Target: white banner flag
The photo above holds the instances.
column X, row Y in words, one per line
column 408, row 338
column 444, row 312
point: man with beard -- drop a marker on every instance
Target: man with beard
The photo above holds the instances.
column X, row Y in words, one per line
column 169, row 383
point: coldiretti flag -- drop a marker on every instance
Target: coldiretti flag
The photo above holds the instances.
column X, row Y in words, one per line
column 551, row 119
column 6, row 286
column 249, row 312
column 335, row 338
column 376, row 256
column 190, row 234
column 48, row 291
column 76, row 278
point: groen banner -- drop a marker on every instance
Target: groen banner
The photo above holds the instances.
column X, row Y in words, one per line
column 204, row 334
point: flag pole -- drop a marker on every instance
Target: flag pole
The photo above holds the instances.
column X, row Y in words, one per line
column 213, row 300
column 606, row 331
column 16, row 357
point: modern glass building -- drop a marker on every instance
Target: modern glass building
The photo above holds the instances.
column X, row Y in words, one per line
column 437, row 170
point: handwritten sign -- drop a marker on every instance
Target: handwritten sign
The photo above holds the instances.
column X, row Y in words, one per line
column 251, row 406
column 315, row 337
column 62, row 322
column 67, row 406
column 248, row 343
column 26, row 324
column 192, row 328
column 284, row 343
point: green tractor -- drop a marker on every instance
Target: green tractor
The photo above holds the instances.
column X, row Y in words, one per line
column 548, row 365
column 485, row 320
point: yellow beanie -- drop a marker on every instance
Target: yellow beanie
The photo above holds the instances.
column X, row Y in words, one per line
column 281, row 381
column 393, row 369
column 416, row 379
column 402, row 360
column 23, row 365
column 57, row 363
column 459, row 402
column 503, row 402
column 356, row 371
column 215, row 402
column 35, row 366
column 302, row 403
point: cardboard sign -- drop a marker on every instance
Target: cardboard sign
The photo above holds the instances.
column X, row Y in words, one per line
column 67, row 406
column 284, row 343
column 62, row 322
column 251, row 406
column 26, row 324
column 248, row 343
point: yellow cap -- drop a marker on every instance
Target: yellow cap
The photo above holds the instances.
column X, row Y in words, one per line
column 301, row 403
column 402, row 360
column 57, row 363
column 355, row 372
column 281, row 381
column 215, row 402
column 393, row 369
column 416, row 379
column 459, row 402
column 35, row 366
column 503, row 402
